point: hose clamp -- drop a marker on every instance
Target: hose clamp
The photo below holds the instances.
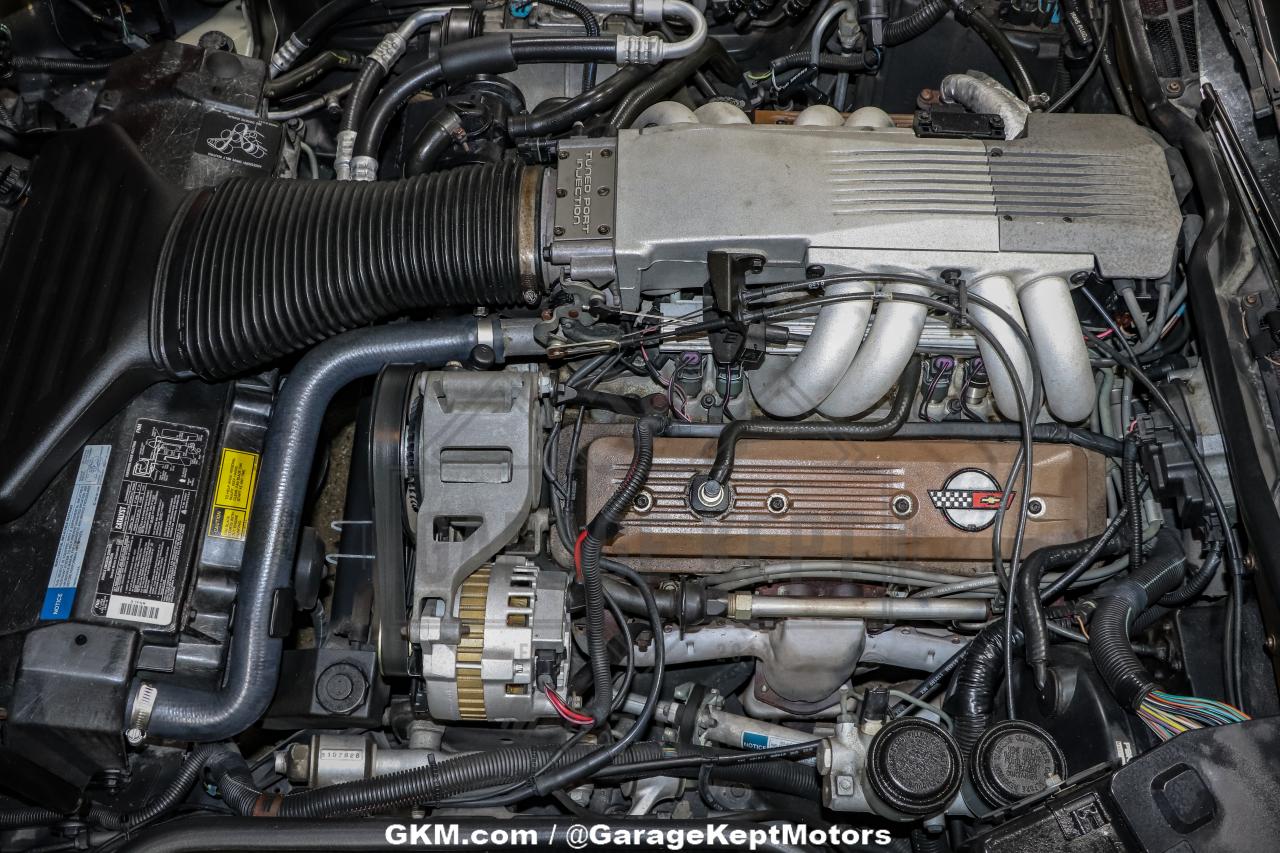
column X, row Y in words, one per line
column 364, row 168
column 144, row 703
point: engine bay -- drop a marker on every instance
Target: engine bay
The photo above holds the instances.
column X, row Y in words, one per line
column 638, row 414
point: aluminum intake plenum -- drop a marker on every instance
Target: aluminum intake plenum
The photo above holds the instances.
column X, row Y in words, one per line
column 1079, row 193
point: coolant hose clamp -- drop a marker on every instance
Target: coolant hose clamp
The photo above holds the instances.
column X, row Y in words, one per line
column 144, row 702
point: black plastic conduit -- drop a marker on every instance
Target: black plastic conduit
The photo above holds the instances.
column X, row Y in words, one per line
column 916, row 23
column 598, row 531
column 1109, row 643
column 60, row 67
column 1028, row 593
column 253, row 660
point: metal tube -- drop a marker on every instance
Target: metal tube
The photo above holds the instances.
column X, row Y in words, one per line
column 747, row 606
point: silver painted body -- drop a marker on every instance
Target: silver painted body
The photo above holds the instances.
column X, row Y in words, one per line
column 1077, row 193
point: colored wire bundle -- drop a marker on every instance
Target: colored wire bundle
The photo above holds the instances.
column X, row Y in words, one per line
column 564, row 711
column 1169, row 714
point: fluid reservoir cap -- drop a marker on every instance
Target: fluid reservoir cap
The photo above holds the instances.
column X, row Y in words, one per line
column 914, row 766
column 1015, row 760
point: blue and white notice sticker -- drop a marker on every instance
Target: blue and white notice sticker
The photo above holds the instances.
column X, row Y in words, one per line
column 65, row 576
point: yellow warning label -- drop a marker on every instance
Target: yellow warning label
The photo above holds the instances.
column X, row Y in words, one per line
column 233, row 494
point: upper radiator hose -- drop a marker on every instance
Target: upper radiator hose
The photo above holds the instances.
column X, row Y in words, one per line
column 262, row 268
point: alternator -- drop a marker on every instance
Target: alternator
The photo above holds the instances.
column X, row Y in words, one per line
column 515, row 636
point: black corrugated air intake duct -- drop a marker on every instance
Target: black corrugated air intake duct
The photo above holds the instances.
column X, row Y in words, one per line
column 113, row 280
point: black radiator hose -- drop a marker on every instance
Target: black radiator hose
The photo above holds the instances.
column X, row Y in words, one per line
column 261, row 268
column 1109, row 643
column 253, row 660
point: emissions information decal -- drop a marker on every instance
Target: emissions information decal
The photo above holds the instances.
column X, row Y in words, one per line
column 75, row 532
column 157, row 496
column 233, row 494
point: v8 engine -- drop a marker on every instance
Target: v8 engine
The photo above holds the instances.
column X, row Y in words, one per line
column 637, row 413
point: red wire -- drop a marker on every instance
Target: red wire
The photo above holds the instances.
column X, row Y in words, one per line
column 565, row 712
column 577, row 553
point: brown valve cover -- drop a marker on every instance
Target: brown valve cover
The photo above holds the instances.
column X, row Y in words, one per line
column 923, row 502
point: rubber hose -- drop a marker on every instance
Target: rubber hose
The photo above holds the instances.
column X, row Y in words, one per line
column 253, row 660
column 1027, row 591
column 976, row 681
column 1197, row 582
column 973, row 18
column 590, row 24
column 598, row 531
column 827, row 62
column 563, row 116
column 885, row 427
column 310, row 71
column 324, row 17
column 436, row 137
column 260, row 268
column 362, row 95
column 661, row 84
column 492, row 54
column 1113, row 619
column 915, row 24
column 60, row 67
column 1132, row 498
column 1073, row 20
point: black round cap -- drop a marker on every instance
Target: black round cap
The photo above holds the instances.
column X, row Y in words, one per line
column 1014, row 760
column 914, row 766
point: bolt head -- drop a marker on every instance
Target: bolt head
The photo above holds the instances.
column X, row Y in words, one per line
column 134, row 736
